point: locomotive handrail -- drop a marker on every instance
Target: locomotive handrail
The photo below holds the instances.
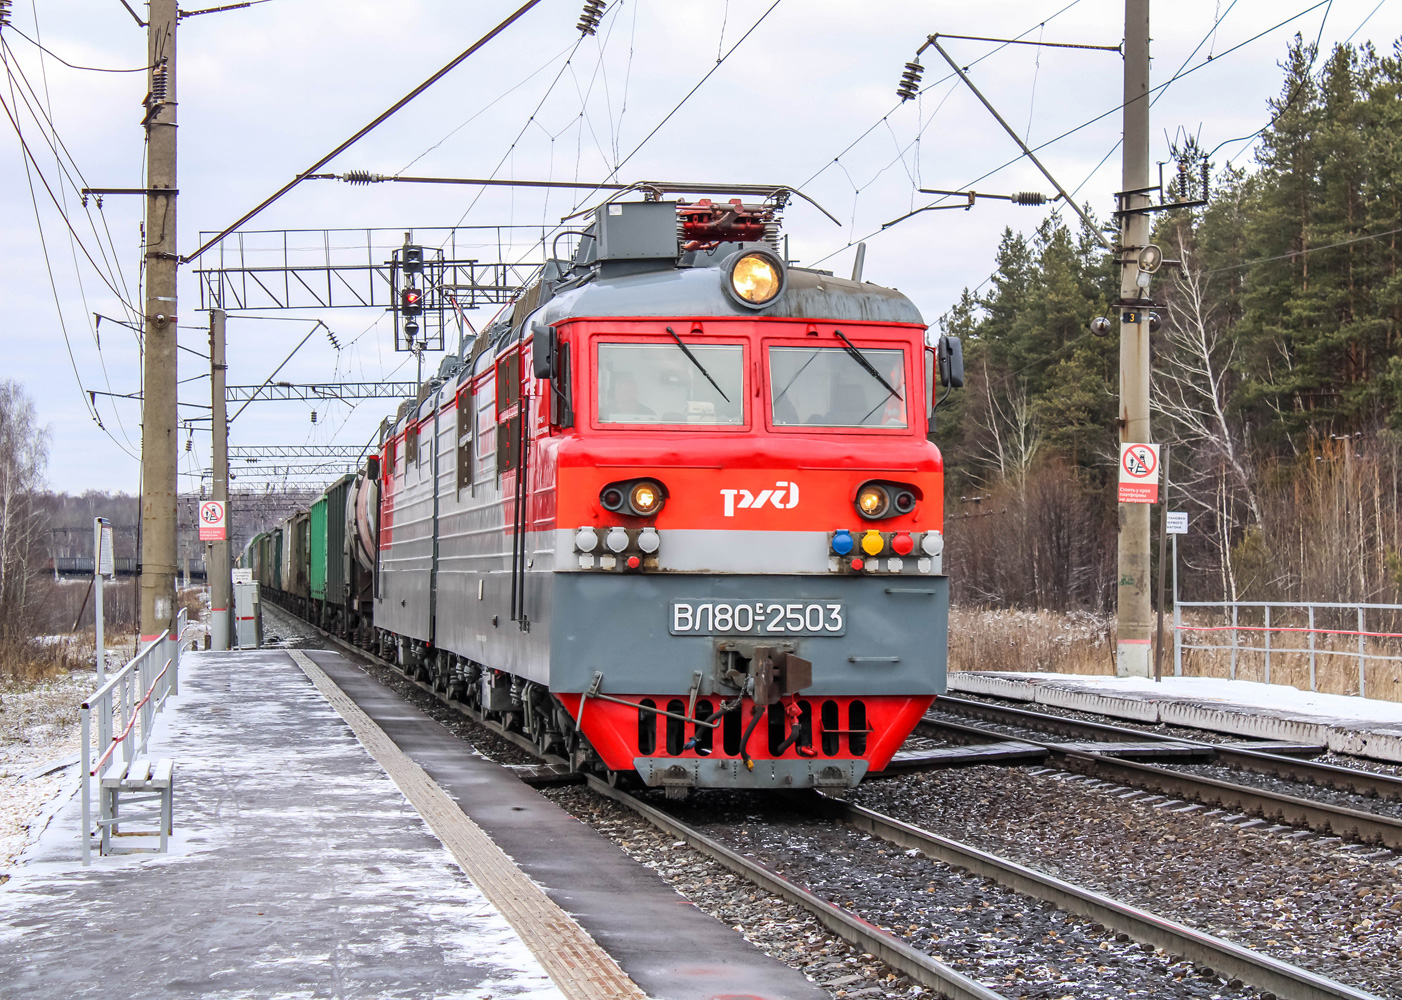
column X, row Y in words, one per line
column 594, row 692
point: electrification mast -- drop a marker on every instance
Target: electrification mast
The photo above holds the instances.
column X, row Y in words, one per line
column 1135, row 618
column 159, row 443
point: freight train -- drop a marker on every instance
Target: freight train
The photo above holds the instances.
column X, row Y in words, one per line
column 674, row 514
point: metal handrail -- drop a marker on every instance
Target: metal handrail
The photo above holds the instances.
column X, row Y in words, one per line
column 1267, row 629
column 125, row 705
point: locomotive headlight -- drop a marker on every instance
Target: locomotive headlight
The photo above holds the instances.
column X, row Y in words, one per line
column 873, row 502
column 646, row 498
column 754, row 278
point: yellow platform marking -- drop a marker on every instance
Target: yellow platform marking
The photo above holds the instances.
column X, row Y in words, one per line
column 580, row 968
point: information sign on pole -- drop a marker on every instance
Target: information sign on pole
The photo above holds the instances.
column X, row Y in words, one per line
column 1139, row 473
column 104, row 551
column 212, row 520
column 243, row 576
column 1178, row 522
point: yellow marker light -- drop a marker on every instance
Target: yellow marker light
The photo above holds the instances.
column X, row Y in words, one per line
column 873, row 501
column 645, row 498
column 755, row 278
column 873, row 543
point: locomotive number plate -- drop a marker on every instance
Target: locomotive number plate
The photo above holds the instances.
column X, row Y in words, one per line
column 758, row 618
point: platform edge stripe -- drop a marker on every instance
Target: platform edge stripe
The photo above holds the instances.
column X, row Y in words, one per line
column 575, row 961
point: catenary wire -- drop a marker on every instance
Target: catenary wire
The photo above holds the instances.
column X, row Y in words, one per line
column 55, row 55
column 54, row 145
column 1092, row 121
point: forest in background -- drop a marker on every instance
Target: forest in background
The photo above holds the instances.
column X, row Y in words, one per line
column 1277, row 373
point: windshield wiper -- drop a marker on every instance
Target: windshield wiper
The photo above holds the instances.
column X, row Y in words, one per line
column 699, row 366
column 860, row 358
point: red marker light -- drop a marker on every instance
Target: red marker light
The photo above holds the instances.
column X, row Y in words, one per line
column 858, row 565
column 634, row 562
column 902, row 544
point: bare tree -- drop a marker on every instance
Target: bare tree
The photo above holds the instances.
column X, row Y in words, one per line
column 1192, row 388
column 24, row 450
column 1013, row 436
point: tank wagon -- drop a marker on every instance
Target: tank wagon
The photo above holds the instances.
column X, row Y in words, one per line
column 675, row 515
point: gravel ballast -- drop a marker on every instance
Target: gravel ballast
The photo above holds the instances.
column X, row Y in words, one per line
column 1013, row 943
column 1303, row 899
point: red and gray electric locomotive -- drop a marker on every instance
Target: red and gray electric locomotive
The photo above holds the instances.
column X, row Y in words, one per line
column 677, row 513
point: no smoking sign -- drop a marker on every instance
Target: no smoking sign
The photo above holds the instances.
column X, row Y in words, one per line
column 1139, row 473
column 212, row 520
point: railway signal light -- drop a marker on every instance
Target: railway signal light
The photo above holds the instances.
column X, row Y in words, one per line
column 411, row 301
column 412, row 259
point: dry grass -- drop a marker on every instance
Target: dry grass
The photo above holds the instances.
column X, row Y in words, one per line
column 1073, row 642
column 1083, row 643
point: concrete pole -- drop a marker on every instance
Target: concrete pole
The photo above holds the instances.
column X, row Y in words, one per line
column 220, row 587
column 160, row 446
column 1135, row 621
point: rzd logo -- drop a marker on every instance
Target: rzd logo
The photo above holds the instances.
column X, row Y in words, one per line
column 783, row 496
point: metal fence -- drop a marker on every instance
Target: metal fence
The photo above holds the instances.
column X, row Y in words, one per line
column 1289, row 632
column 125, row 710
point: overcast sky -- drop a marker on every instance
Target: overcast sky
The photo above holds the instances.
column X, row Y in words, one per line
column 807, row 99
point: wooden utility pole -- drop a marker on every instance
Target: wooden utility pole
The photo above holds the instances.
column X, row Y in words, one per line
column 159, row 438
column 220, row 585
column 1135, row 617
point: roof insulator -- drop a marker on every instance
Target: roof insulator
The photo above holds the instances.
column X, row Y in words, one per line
column 910, row 81
column 590, row 16
column 361, row 177
column 1029, row 198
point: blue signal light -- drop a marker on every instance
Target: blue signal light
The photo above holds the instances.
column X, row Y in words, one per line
column 842, row 542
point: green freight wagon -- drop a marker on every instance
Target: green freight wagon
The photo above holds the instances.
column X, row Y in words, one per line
column 316, row 561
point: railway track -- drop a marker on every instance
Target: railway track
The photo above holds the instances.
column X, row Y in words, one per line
column 1297, row 810
column 1211, row 954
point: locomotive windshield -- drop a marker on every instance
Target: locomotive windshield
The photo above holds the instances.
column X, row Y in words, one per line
column 832, row 387
column 661, row 384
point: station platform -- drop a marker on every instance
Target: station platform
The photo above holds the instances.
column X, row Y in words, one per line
column 1363, row 727
column 333, row 841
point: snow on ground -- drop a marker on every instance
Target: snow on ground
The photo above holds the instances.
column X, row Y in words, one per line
column 1335, row 709
column 297, row 868
column 38, row 750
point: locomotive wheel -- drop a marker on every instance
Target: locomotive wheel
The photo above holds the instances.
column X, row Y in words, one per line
column 626, row 781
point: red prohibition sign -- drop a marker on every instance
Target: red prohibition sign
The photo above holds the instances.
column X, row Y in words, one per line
column 1140, row 461
column 210, row 512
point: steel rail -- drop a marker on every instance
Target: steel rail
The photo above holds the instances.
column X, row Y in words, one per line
column 1256, row 969
column 1360, row 782
column 1319, row 816
column 851, row 928
column 1223, row 957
